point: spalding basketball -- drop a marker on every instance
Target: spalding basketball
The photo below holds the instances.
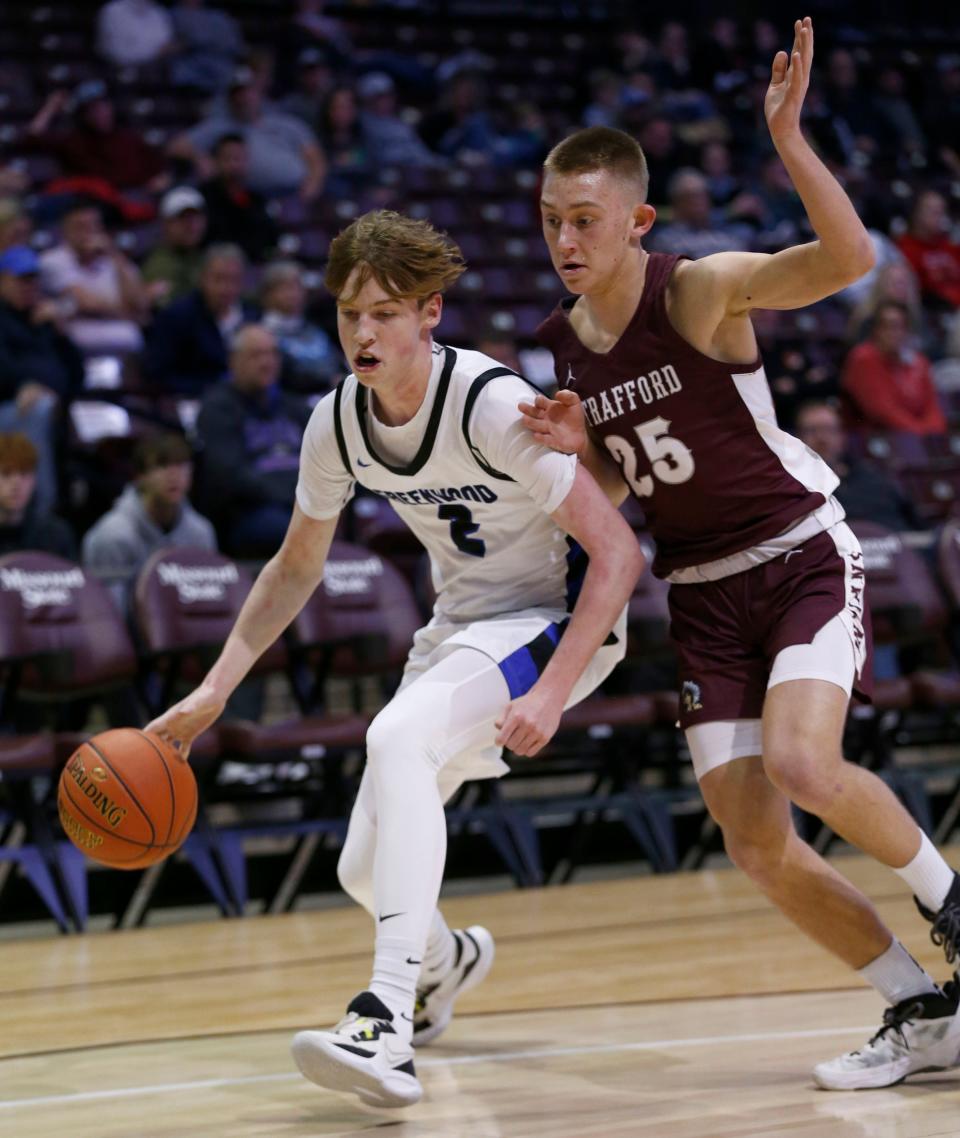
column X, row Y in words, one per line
column 127, row 799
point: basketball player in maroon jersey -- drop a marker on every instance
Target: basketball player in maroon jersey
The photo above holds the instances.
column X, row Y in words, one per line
column 663, row 394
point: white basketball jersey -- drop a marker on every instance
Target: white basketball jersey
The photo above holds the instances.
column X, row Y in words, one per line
column 477, row 492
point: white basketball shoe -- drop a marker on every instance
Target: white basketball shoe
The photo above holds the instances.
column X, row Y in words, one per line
column 921, row 1033
column 436, row 995
column 362, row 1055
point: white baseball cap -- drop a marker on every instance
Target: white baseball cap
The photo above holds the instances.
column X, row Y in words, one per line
column 179, row 200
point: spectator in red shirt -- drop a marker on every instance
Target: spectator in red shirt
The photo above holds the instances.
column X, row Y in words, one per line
column 889, row 384
column 928, row 248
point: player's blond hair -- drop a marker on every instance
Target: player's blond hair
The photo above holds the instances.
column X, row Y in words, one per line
column 409, row 259
column 601, row 148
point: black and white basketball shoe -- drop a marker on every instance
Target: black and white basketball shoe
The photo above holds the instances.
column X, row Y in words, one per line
column 945, row 932
column 436, row 995
column 362, row 1055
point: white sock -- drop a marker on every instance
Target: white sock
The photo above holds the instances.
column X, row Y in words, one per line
column 396, row 966
column 928, row 875
column 441, row 947
column 897, row 976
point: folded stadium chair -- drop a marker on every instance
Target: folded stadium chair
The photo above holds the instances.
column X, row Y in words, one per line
column 63, row 646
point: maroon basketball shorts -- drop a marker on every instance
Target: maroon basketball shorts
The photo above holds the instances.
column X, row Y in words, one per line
column 798, row 617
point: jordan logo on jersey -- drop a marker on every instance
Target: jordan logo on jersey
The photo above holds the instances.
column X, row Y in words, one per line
column 690, row 696
column 657, row 384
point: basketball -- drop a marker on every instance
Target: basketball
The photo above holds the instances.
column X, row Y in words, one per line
column 127, row 799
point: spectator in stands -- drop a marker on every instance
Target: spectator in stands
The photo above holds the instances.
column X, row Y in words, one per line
column 386, row 134
column 131, row 33
column 40, row 369
column 895, row 281
column 236, row 214
column 865, row 491
column 16, row 227
column 934, row 256
column 173, row 268
column 694, row 229
column 187, row 344
column 311, row 361
column 285, row 157
column 604, row 106
column 24, row 524
column 251, row 433
column 209, row 46
column 106, row 156
column 851, row 130
column 716, row 164
column 890, row 385
column 344, row 141
column 315, row 81
column 901, row 137
column 101, row 290
column 502, row 347
column 152, row 512
column 461, row 128
column 942, row 117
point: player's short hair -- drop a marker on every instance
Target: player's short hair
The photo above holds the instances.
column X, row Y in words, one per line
column 408, row 258
column 601, row 148
column 154, row 451
column 18, row 455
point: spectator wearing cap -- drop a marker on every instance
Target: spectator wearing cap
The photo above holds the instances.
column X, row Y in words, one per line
column 315, row 81
column 284, row 155
column 311, row 362
column 40, row 369
column 209, row 43
column 102, row 293
column 186, row 348
column 24, row 522
column 890, row 385
column 251, row 431
column 929, row 249
column 237, row 214
column 95, row 147
column 173, row 268
column 131, row 33
column 386, row 134
column 152, row 512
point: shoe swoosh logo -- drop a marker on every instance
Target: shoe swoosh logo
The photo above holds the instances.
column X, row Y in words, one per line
column 360, row 462
column 409, row 1019
column 388, row 916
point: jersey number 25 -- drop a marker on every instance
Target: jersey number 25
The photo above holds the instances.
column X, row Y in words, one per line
column 670, row 460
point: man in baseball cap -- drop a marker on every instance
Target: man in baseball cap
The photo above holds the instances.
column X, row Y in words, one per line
column 173, row 268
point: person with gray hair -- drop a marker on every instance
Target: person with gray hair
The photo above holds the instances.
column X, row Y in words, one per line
column 187, row 345
column 694, row 229
column 251, row 432
column 311, row 362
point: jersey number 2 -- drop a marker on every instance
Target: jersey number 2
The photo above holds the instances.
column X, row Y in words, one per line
column 462, row 526
column 670, row 460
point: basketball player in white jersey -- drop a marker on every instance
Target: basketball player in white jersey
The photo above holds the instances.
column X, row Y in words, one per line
column 523, row 624
column 665, row 397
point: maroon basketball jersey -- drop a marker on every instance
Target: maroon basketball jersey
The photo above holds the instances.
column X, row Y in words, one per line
column 697, row 440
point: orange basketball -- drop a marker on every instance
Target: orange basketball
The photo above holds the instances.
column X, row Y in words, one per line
column 127, row 799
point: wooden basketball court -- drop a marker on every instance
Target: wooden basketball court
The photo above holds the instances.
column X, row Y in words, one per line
column 678, row 1006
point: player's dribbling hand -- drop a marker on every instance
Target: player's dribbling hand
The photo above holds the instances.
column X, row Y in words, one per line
column 529, row 723
column 557, row 423
column 789, row 78
column 183, row 722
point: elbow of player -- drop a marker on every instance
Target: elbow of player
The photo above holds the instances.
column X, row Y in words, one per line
column 860, row 260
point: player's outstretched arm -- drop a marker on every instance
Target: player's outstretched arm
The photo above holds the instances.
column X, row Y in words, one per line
column 843, row 251
column 286, row 583
column 616, row 563
column 560, row 425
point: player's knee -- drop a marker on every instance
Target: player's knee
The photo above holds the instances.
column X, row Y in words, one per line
column 399, row 739
column 758, row 855
column 804, row 773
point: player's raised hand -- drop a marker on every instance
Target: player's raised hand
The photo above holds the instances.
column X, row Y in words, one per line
column 557, row 423
column 789, row 79
column 183, row 722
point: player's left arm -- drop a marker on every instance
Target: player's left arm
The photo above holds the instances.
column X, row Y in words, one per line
column 803, row 274
column 616, row 563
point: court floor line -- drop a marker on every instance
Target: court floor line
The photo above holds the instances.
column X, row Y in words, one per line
column 451, row 1061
